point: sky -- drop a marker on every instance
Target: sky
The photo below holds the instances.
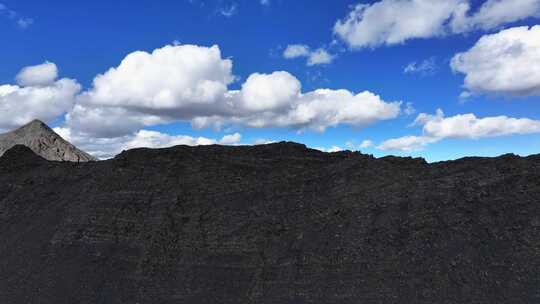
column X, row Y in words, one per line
column 438, row 79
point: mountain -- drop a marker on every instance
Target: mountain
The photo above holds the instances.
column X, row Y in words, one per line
column 44, row 141
column 270, row 224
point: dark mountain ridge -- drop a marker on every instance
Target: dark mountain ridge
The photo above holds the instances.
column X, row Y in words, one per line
column 272, row 224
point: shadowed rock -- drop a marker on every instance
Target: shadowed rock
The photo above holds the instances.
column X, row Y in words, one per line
column 43, row 141
column 268, row 224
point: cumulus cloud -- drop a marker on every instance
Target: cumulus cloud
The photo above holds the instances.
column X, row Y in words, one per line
column 503, row 63
column 231, row 139
column 263, row 92
column 178, row 83
column 390, row 22
column 175, row 77
column 319, row 56
column 38, row 95
column 465, row 126
column 190, row 83
column 38, row 75
column 295, row 51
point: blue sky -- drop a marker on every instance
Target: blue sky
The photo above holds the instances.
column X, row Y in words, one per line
column 86, row 38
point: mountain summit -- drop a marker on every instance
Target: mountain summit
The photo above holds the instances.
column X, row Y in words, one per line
column 41, row 139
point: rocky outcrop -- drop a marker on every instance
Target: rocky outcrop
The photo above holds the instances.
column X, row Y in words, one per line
column 43, row 141
column 268, row 224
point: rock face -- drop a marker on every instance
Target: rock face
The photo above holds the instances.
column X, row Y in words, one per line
column 43, row 141
column 268, row 224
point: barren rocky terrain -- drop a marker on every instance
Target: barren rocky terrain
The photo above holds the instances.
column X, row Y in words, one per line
column 43, row 141
column 268, row 224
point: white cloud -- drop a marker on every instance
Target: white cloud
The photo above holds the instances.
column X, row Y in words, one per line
column 324, row 108
column 503, row 63
column 190, row 83
column 319, row 56
column 176, row 78
column 231, row 139
column 471, row 127
column 465, row 126
column 390, row 22
column 365, row 144
column 406, row 143
column 295, row 51
column 181, row 83
column 332, row 149
column 263, row 92
column 153, row 139
column 108, row 147
column 38, row 75
column 425, row 67
column 494, row 13
column 46, row 101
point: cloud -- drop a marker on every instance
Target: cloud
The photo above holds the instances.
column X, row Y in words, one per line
column 178, row 83
column 264, row 92
column 104, row 148
column 502, row 63
column 424, row 68
column 464, row 126
column 332, row 149
column 319, row 56
column 38, row 75
column 317, row 110
column 20, row 21
column 365, row 144
column 231, row 139
column 406, row 143
column 296, row 50
column 390, row 22
column 38, row 95
column 176, row 78
column 153, row 139
column 190, row 83
column 494, row 13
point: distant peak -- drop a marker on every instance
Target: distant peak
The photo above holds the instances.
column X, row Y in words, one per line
column 34, row 126
column 37, row 123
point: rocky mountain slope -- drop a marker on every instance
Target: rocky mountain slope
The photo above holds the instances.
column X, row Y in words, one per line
column 44, row 141
column 268, row 224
